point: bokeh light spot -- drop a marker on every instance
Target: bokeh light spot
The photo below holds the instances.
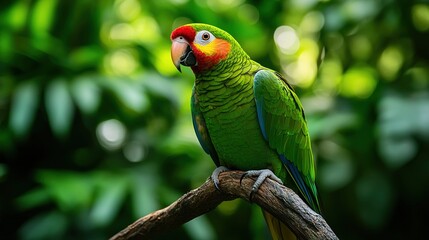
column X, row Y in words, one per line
column 128, row 9
column 111, row 134
column 312, row 22
column 223, row 5
column 122, row 31
column 163, row 62
column 134, row 151
column 147, row 30
column 390, row 62
column 420, row 16
column 303, row 71
column 331, row 74
column 121, row 62
column 286, row 39
column 359, row 81
column 248, row 13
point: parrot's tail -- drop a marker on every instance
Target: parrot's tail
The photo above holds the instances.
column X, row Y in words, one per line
column 278, row 230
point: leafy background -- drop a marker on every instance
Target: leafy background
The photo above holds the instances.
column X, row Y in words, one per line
column 95, row 127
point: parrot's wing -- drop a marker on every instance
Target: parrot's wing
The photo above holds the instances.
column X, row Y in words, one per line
column 283, row 125
column 201, row 130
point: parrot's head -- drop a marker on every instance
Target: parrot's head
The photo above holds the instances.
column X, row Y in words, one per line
column 200, row 46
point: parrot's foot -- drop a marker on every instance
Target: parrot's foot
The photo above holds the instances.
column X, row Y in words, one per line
column 215, row 175
column 262, row 175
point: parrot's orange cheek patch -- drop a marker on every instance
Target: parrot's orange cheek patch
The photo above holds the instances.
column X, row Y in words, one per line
column 222, row 48
column 210, row 54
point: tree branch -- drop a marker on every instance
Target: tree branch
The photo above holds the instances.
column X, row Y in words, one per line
column 273, row 197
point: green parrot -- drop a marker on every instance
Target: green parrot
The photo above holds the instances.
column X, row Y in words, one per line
column 246, row 116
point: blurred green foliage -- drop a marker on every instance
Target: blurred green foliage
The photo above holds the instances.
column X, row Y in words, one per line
column 95, row 127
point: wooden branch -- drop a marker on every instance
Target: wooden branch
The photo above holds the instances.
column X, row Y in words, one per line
column 275, row 198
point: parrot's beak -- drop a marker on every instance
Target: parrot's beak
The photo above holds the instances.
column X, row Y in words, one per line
column 181, row 53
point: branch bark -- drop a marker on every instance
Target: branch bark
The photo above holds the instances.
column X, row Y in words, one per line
column 273, row 197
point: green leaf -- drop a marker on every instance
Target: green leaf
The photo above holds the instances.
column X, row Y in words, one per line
column 71, row 191
column 50, row 225
column 59, row 107
column 16, row 15
column 33, row 198
column 109, row 201
column 159, row 85
column 42, row 16
column 336, row 173
column 130, row 94
column 143, row 193
column 23, row 109
column 396, row 152
column 87, row 94
column 330, row 124
column 86, row 57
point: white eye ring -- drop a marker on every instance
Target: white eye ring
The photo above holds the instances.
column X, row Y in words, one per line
column 204, row 37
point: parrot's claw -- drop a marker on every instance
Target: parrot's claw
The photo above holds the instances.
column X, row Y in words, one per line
column 215, row 175
column 262, row 175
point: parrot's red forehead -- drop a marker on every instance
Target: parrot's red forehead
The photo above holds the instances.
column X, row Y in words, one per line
column 187, row 32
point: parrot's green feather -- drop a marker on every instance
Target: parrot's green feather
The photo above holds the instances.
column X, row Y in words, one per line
column 201, row 131
column 247, row 117
column 283, row 124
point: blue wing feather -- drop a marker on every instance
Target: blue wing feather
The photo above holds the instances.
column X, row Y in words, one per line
column 297, row 177
column 259, row 104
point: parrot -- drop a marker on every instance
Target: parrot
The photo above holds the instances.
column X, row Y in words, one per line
column 246, row 117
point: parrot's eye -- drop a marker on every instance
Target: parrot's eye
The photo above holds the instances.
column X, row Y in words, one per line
column 205, row 36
